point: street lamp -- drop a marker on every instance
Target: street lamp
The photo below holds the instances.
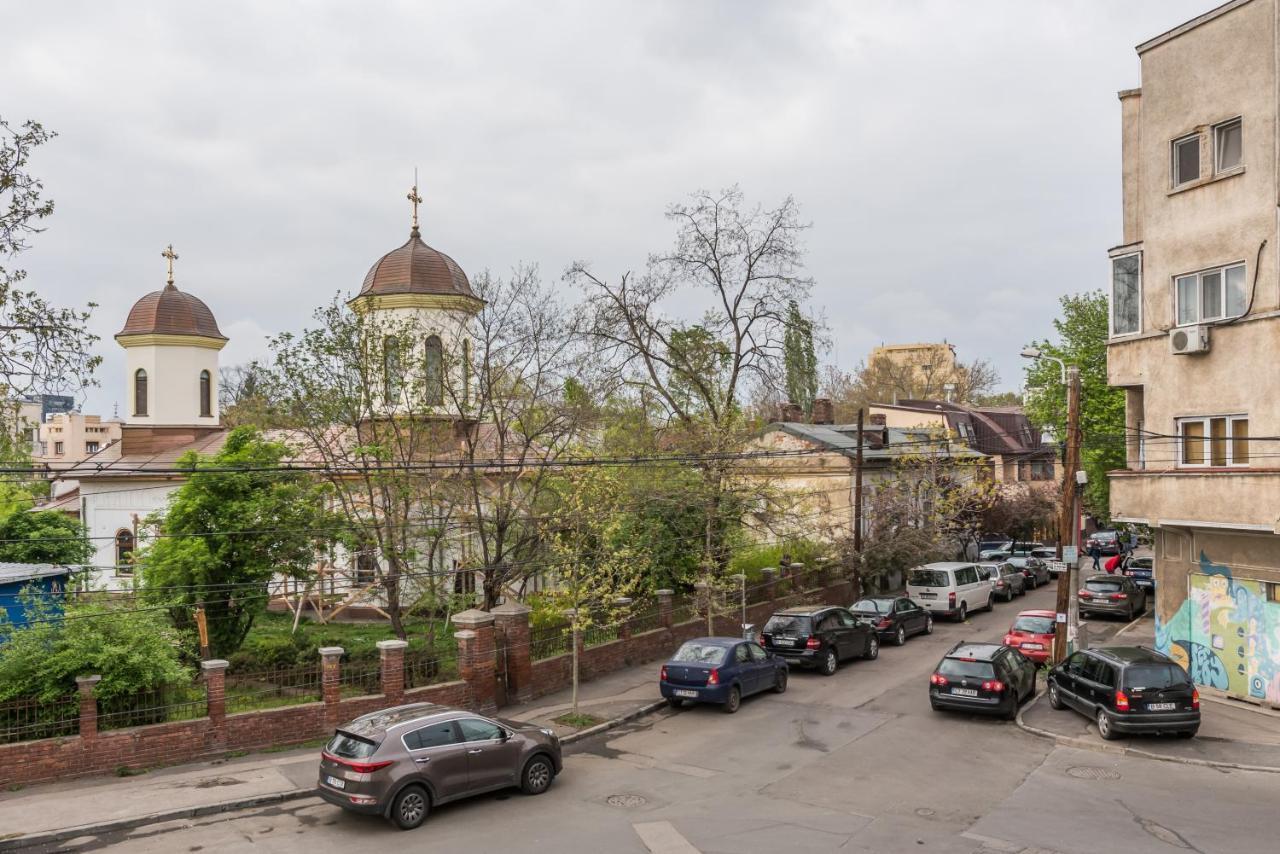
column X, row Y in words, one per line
column 1036, row 353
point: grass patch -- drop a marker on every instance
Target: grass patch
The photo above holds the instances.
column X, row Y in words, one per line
column 273, row 643
column 581, row 720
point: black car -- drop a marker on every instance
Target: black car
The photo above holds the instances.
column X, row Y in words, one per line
column 819, row 636
column 1141, row 568
column 1127, row 689
column 982, row 677
column 1033, row 569
column 1008, row 579
column 894, row 617
column 1108, row 542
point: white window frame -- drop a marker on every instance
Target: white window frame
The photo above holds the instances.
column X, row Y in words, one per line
column 1200, row 274
column 1217, row 145
column 1175, row 178
column 1111, row 296
column 1207, row 453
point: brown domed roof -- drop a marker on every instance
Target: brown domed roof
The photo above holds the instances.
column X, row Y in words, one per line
column 171, row 312
column 416, row 268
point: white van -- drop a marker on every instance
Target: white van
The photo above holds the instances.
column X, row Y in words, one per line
column 953, row 589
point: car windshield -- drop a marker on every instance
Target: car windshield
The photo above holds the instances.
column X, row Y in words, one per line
column 348, row 746
column 966, row 667
column 786, row 624
column 879, row 606
column 699, row 653
column 1034, row 625
column 927, row 578
column 1103, row 585
column 1155, row 676
column 1104, row 535
column 1140, row 563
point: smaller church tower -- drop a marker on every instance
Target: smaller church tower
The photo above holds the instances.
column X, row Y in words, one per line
column 171, row 341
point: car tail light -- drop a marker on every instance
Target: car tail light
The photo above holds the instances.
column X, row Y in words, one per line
column 1195, row 698
column 951, row 600
column 358, row 767
column 1116, row 597
column 993, row 685
column 760, row 640
column 663, row 674
column 1122, row 701
column 713, row 678
column 937, row 679
column 1010, row 640
column 1082, row 592
column 884, row 624
column 812, row 643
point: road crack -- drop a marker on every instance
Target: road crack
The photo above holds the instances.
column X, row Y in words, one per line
column 1159, row 831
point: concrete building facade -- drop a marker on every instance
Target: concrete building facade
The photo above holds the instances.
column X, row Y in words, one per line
column 1194, row 317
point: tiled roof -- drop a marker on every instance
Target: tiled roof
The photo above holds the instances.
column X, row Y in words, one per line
column 416, row 268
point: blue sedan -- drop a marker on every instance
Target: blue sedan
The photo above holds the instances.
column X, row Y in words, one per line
column 721, row 671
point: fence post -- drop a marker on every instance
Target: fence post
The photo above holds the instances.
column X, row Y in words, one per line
column 623, row 603
column 664, row 608
column 215, row 696
column 331, row 683
column 391, row 653
column 511, row 619
column 88, row 706
column 477, row 660
column 769, row 582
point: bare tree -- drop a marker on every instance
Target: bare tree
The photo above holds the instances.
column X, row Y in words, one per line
column 929, row 373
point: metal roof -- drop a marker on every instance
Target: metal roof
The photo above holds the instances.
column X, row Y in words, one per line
column 11, row 572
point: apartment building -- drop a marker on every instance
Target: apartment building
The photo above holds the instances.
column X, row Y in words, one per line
column 1195, row 335
column 70, row 437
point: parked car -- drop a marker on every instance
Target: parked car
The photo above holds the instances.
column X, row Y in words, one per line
column 1033, row 569
column 402, row 762
column 1008, row 580
column 1141, row 568
column 894, row 617
column 1111, row 594
column 982, row 677
column 949, row 588
column 720, row 671
column 1127, row 689
column 1107, row 541
column 819, row 636
column 1023, row 549
column 1045, row 552
column 1032, row 635
column 992, row 544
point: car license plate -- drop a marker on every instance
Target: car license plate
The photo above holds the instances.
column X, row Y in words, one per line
column 683, row 693
column 1161, row 707
column 965, row 692
column 335, row 782
column 927, row 595
column 783, row 642
column 1033, row 646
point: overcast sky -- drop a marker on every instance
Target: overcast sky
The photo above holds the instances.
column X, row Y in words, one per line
column 959, row 161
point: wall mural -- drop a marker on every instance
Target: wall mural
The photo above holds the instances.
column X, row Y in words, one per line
column 1225, row 633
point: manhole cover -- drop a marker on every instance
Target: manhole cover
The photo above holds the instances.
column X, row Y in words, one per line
column 1092, row 772
column 625, row 801
column 925, row 812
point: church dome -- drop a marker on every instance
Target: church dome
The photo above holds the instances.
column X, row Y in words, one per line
column 416, row 268
column 171, row 312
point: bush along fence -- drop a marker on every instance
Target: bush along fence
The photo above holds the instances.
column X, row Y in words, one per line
column 498, row 662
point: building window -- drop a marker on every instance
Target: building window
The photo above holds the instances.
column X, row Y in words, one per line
column 1228, row 145
column 1126, row 294
column 1210, row 294
column 1186, row 160
column 91, row 447
column 466, row 371
column 124, row 550
column 366, row 568
column 139, row 392
column 206, row 395
column 433, row 371
column 1042, row 469
column 1273, row 591
column 1215, row 441
column 57, row 449
column 464, row 581
column 392, row 373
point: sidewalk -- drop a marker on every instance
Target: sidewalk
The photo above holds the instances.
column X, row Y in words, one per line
column 56, row 812
column 1233, row 734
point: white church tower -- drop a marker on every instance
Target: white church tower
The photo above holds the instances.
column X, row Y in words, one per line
column 171, row 341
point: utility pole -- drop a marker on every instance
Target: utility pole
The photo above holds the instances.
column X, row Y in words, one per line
column 1069, row 520
column 857, row 507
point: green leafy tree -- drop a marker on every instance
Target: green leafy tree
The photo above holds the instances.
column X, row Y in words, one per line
column 799, row 359
column 225, row 534
column 46, row 536
column 1082, row 341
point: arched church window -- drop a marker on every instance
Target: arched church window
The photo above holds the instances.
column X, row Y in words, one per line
column 393, row 374
column 433, row 371
column 206, row 395
column 124, row 548
column 140, row 392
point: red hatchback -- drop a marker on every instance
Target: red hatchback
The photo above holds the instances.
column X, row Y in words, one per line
column 1032, row 635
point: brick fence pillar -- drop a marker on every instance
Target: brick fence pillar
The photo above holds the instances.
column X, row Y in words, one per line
column 215, row 695
column 331, row 683
column 769, row 583
column 511, row 623
column 623, row 604
column 88, row 706
column 477, row 659
column 391, row 653
column 664, row 608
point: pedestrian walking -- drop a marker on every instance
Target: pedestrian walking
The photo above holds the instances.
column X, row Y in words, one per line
column 1095, row 552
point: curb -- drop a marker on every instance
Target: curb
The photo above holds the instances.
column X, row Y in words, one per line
column 53, row 837
column 1084, row 744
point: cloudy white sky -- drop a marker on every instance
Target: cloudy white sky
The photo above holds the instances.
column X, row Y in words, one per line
column 959, row 161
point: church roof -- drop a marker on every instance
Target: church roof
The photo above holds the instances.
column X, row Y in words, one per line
column 416, row 268
column 171, row 312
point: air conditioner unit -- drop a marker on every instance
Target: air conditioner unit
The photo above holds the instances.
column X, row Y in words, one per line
column 1189, row 339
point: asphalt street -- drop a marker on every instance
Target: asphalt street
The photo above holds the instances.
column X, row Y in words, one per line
column 853, row 763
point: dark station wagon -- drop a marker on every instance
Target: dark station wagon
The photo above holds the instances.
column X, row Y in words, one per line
column 1127, row 689
column 819, row 636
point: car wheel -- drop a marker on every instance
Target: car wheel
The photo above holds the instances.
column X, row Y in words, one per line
column 1055, row 699
column 991, row 603
column 1105, row 728
column 1023, row 591
column 780, row 683
column 1012, row 713
column 1031, row 582
column 675, row 702
column 829, row 663
column 873, row 647
column 410, row 807
column 963, row 613
column 928, row 624
column 901, row 637
column 537, row 776
column 735, row 700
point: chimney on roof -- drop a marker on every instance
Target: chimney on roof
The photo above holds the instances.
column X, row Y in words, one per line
column 823, row 411
column 877, row 432
column 791, row 412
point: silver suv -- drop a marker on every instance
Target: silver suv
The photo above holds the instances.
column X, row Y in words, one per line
column 401, row 762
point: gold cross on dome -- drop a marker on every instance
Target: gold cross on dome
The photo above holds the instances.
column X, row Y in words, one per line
column 172, row 256
column 414, row 199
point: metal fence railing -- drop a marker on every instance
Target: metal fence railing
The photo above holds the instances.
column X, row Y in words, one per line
column 27, row 719
column 549, row 640
column 645, row 617
column 360, row 679
column 595, row 635
column 268, row 689
column 429, row 668
column 159, row 705
column 684, row 609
